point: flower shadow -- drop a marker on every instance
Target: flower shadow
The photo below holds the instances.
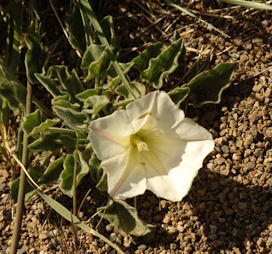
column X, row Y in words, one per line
column 232, row 214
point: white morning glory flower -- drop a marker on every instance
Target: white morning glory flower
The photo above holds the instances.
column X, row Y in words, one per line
column 150, row 145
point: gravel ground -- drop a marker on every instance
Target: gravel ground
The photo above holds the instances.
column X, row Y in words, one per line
column 229, row 207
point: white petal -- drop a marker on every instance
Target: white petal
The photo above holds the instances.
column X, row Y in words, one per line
column 190, row 130
column 123, row 123
column 106, row 145
column 168, row 149
column 126, row 177
column 116, row 124
column 139, row 111
column 175, row 162
column 183, row 175
column 158, row 180
column 165, row 112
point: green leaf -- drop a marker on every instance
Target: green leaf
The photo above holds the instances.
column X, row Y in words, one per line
column 31, row 121
column 11, row 89
column 83, row 167
column 207, row 87
column 44, row 126
column 68, row 142
column 52, row 173
column 35, row 173
column 49, row 142
column 62, row 97
column 138, row 89
column 87, row 93
column 66, row 177
column 121, row 104
column 163, row 65
column 102, row 185
column 35, row 58
column 96, row 171
column 76, row 84
column 51, row 86
column 7, row 91
column 141, row 62
column 60, row 72
column 58, row 101
column 87, row 152
column 125, row 218
column 15, row 34
column 73, row 119
column 180, row 70
column 179, row 94
column 97, row 102
column 97, row 174
column 113, row 77
column 5, row 113
column 86, row 16
column 53, row 142
column 108, row 29
column 96, row 59
column 76, row 30
column 66, row 214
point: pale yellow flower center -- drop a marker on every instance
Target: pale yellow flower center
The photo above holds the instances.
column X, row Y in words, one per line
column 139, row 143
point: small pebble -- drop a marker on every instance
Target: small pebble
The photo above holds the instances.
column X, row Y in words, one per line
column 225, row 149
column 113, row 237
column 141, row 247
column 43, row 236
column 268, row 132
column 250, row 165
column 109, row 227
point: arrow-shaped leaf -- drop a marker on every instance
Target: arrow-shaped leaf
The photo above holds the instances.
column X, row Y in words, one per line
column 96, row 59
column 32, row 120
column 66, row 177
column 179, row 94
column 34, row 172
column 35, row 58
column 125, row 218
column 52, row 173
column 73, row 119
column 208, row 86
column 163, row 65
column 51, row 86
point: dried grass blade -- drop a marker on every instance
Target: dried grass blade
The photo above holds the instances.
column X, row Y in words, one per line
column 170, row 3
column 249, row 4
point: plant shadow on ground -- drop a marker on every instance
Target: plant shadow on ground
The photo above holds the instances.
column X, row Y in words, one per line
column 230, row 211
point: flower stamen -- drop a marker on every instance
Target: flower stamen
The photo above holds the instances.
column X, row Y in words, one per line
column 139, row 143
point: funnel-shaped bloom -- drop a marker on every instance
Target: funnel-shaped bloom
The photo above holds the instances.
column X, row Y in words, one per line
column 150, row 145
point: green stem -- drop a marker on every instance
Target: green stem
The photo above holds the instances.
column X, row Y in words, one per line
column 74, row 184
column 75, row 176
column 74, row 191
column 21, row 193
